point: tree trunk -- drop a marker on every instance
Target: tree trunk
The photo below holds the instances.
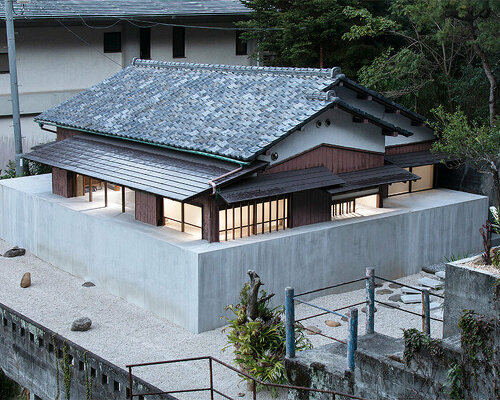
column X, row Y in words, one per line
column 253, row 295
column 491, row 78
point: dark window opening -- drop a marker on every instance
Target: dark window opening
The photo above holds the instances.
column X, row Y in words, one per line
column 112, row 42
column 4, row 63
column 116, row 386
column 92, row 372
column 241, row 45
column 145, row 43
column 81, row 366
column 40, row 342
column 178, row 42
column 104, row 379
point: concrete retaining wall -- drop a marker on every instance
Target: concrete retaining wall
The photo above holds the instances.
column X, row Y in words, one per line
column 191, row 281
column 31, row 355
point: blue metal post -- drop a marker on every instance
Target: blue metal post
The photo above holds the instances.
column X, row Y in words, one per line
column 370, row 300
column 426, row 312
column 352, row 340
column 290, row 322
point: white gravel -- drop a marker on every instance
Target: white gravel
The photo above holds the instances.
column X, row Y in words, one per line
column 124, row 333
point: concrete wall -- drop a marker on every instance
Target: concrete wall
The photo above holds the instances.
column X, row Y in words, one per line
column 468, row 288
column 191, row 281
column 29, row 354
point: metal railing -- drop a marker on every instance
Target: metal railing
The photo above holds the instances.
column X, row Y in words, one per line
column 211, row 388
column 352, row 314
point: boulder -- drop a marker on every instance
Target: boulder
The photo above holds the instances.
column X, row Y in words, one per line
column 26, row 280
column 15, row 252
column 395, row 297
column 395, row 285
column 81, row 324
column 88, row 284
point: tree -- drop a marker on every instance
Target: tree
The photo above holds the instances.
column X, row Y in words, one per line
column 308, row 34
column 470, row 143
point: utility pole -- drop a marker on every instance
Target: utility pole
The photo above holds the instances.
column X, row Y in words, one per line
column 14, row 93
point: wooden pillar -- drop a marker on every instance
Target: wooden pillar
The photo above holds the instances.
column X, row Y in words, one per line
column 210, row 218
column 63, row 182
column 123, row 199
column 149, row 208
column 105, row 194
column 383, row 193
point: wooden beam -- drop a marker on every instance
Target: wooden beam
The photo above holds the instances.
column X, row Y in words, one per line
column 90, row 189
column 105, row 194
column 123, row 199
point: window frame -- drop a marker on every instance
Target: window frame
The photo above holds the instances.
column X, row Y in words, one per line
column 112, row 47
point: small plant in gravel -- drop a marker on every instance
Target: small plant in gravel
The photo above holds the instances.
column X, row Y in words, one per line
column 257, row 333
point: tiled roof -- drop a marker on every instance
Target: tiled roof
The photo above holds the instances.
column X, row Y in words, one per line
column 123, row 8
column 232, row 111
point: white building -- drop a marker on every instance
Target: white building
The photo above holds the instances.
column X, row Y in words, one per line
column 64, row 47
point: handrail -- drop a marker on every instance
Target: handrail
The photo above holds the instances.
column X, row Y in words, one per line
column 330, row 287
column 213, row 390
column 408, row 286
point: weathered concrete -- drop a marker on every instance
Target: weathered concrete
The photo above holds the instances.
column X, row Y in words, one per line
column 191, row 281
column 469, row 288
column 32, row 355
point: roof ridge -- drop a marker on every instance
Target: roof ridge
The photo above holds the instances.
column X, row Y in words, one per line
column 332, row 73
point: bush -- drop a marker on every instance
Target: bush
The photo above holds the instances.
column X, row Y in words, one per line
column 259, row 343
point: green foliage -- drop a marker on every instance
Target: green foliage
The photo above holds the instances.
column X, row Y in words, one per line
column 259, row 345
column 88, row 379
column 10, row 171
column 67, row 371
column 8, row 388
column 455, row 382
column 456, row 257
column 32, row 168
column 416, row 340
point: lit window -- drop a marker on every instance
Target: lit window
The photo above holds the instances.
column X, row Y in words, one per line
column 426, row 173
column 247, row 219
column 112, row 42
column 183, row 217
column 399, row 187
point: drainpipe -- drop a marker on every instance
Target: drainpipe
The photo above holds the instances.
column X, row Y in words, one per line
column 212, row 183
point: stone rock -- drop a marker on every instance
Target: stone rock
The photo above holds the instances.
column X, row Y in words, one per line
column 345, row 319
column 411, row 298
column 332, row 324
column 431, row 269
column 378, row 284
column 441, row 274
column 26, row 280
column 15, row 252
column 432, row 283
column 407, row 290
column 395, row 297
column 88, row 284
column 384, row 291
column 312, row 330
column 363, row 309
column 395, row 286
column 81, row 324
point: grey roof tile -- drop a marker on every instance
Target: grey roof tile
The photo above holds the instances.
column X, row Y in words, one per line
column 232, row 111
column 123, row 8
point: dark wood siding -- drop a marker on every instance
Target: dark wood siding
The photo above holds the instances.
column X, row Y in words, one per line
column 149, row 208
column 63, row 133
column 408, row 148
column 63, row 182
column 336, row 159
column 309, row 207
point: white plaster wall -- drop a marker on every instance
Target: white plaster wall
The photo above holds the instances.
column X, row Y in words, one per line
column 110, row 249
column 420, row 134
column 202, row 46
column 342, row 132
column 31, row 133
column 51, row 59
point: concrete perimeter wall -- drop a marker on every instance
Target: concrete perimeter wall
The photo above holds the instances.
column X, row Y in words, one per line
column 113, row 252
column 190, row 281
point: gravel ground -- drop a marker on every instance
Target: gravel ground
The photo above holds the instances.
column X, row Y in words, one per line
column 123, row 333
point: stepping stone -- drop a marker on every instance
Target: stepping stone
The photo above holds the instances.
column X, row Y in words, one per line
column 88, row 284
column 15, row 252
column 344, row 319
column 332, row 324
column 312, row 330
column 363, row 309
column 408, row 290
column 395, row 286
column 411, row 298
column 384, row 291
column 395, row 297
column 432, row 283
column 434, row 268
column 441, row 274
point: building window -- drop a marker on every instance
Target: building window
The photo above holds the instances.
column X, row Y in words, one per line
column 112, row 42
column 252, row 218
column 359, row 203
column 241, row 45
column 178, row 42
column 4, row 63
column 426, row 173
column 145, row 43
column 106, row 193
column 183, row 217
